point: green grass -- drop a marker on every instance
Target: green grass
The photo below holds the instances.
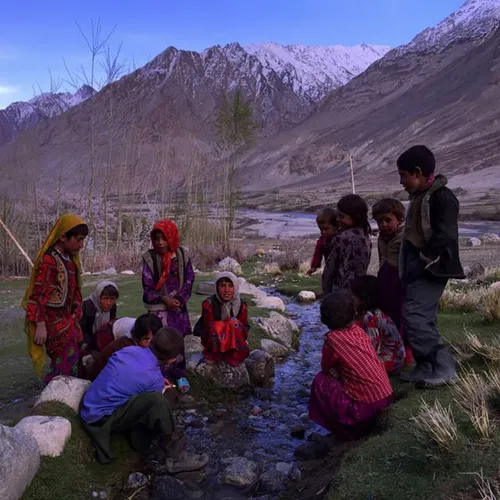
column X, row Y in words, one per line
column 395, row 464
column 76, row 474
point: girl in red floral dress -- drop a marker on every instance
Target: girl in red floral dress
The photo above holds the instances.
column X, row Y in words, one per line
column 53, row 300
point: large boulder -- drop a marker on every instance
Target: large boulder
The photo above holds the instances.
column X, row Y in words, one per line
column 192, row 344
column 249, row 289
column 306, row 296
column 278, row 327
column 19, row 462
column 240, row 472
column 474, row 271
column 260, row 366
column 220, row 373
column 269, row 302
column 205, row 288
column 50, row 433
column 274, row 349
column 67, row 390
column 229, row 264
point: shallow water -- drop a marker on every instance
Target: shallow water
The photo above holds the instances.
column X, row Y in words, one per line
column 259, row 427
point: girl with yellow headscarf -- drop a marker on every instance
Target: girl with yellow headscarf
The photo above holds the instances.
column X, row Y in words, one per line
column 53, row 299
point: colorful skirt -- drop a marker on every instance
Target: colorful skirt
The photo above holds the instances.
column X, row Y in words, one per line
column 332, row 408
column 227, row 341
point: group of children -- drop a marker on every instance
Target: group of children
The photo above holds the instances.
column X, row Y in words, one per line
column 377, row 324
column 80, row 336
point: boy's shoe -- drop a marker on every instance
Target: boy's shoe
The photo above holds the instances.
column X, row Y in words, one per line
column 418, row 374
column 443, row 372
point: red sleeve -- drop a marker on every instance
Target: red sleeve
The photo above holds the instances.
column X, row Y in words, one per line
column 45, row 285
column 318, row 253
column 207, row 314
column 243, row 317
column 329, row 358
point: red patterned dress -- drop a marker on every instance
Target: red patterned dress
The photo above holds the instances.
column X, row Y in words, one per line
column 57, row 300
column 224, row 340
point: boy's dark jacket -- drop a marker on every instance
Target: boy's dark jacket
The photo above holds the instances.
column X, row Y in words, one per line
column 439, row 223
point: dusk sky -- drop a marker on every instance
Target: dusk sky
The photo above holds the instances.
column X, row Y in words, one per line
column 36, row 36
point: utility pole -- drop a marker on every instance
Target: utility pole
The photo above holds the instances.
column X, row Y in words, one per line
column 352, row 174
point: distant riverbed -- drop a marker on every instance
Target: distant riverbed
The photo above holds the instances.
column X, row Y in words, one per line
column 296, row 224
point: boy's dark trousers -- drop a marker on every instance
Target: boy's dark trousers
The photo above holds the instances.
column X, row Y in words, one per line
column 423, row 292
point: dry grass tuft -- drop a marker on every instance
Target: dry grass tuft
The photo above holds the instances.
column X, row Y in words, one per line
column 472, row 394
column 465, row 300
column 489, row 352
column 436, row 424
column 491, row 305
column 293, row 252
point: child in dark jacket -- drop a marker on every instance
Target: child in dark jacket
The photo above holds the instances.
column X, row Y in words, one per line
column 351, row 248
column 429, row 257
column 327, row 221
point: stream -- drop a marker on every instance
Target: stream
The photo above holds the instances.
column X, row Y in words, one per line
column 257, row 427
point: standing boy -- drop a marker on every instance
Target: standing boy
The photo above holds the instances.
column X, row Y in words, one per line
column 429, row 257
column 53, row 300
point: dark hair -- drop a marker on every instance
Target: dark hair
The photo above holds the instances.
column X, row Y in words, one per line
column 144, row 324
column 168, row 343
column 80, row 230
column 110, row 291
column 328, row 216
column 354, row 206
column 367, row 290
column 337, row 310
column 389, row 206
column 417, row 157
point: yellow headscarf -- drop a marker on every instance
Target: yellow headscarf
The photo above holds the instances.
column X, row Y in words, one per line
column 64, row 224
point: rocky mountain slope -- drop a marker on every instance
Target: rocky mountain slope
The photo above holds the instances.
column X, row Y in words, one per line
column 21, row 116
column 164, row 112
column 441, row 95
column 312, row 72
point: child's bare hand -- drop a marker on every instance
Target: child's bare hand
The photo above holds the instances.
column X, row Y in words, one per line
column 40, row 334
column 167, row 385
column 172, row 304
column 312, row 270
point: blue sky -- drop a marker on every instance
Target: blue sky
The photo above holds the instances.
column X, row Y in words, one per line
column 36, row 35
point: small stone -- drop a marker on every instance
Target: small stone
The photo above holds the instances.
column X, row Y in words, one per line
column 284, row 468
column 306, row 296
column 136, row 480
column 311, row 450
column 474, row 242
column 229, row 264
column 298, row 431
column 272, row 481
column 256, row 410
column 220, row 412
column 127, row 272
column 304, row 417
column 196, row 424
column 241, row 472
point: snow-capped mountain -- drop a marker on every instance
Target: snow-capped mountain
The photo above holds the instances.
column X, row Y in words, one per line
column 21, row 116
column 313, row 71
column 474, row 20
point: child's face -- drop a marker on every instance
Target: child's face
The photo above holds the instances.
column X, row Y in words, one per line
column 358, row 303
column 72, row 245
column 345, row 221
column 146, row 340
column 328, row 231
column 160, row 243
column 388, row 224
column 225, row 290
column 106, row 302
column 412, row 182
